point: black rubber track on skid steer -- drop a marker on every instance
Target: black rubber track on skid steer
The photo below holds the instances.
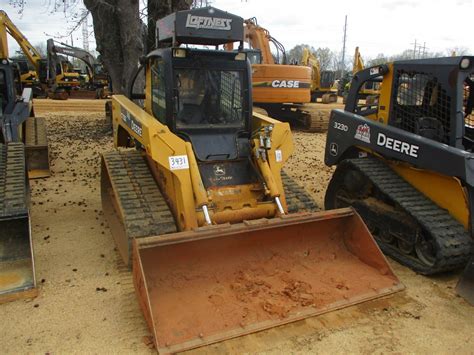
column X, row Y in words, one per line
column 13, row 183
column 453, row 242
column 297, row 199
column 144, row 208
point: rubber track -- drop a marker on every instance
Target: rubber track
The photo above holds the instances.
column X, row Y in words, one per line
column 454, row 243
column 13, row 183
column 144, row 209
column 297, row 199
column 318, row 124
column 35, row 132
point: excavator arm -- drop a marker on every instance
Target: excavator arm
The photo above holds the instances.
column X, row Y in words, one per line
column 7, row 26
column 308, row 59
column 259, row 38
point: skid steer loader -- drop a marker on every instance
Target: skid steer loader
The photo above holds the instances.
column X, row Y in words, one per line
column 202, row 211
column 405, row 163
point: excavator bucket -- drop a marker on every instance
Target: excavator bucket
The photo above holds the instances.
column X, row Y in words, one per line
column 220, row 282
column 17, row 272
column 465, row 286
column 36, row 145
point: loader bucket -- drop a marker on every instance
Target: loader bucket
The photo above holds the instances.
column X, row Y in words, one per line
column 219, row 282
column 36, row 147
column 465, row 286
column 17, row 272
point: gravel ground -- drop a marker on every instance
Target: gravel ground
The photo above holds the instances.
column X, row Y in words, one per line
column 87, row 302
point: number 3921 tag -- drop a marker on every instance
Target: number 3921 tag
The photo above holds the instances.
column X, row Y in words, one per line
column 178, row 162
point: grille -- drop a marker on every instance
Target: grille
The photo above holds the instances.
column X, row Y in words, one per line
column 230, row 95
column 421, row 105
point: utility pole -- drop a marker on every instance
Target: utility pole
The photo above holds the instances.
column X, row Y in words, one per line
column 414, row 50
column 423, row 55
column 343, row 62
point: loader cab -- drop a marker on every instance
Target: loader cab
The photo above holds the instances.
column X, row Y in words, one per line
column 204, row 96
column 433, row 98
column 429, row 97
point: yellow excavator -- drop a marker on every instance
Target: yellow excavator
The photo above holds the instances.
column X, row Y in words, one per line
column 405, row 162
column 54, row 74
column 371, row 90
column 97, row 86
column 323, row 83
column 220, row 240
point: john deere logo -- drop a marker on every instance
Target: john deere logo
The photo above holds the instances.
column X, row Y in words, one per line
column 219, row 170
column 211, row 23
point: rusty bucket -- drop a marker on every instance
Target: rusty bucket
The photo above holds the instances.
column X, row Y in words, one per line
column 220, row 282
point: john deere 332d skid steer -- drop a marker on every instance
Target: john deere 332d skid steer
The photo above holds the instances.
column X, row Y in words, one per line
column 202, row 211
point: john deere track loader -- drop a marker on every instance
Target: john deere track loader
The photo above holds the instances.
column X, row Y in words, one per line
column 406, row 163
column 202, row 211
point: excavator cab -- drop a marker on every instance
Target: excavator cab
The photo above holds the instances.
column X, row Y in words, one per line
column 204, row 214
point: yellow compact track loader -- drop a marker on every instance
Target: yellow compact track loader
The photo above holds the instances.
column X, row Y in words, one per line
column 405, row 162
column 202, row 211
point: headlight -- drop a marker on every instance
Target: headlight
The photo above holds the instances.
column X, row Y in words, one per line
column 240, row 56
column 66, row 79
column 465, row 63
column 179, row 53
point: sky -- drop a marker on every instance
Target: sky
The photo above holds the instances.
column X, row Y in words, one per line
column 384, row 26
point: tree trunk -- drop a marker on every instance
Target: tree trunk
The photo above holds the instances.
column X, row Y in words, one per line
column 158, row 9
column 118, row 33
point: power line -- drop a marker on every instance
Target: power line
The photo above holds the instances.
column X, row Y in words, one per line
column 419, row 51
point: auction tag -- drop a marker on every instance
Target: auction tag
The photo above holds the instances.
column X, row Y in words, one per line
column 278, row 155
column 178, row 162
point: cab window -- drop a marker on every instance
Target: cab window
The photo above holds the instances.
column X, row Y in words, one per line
column 209, row 97
column 158, row 89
